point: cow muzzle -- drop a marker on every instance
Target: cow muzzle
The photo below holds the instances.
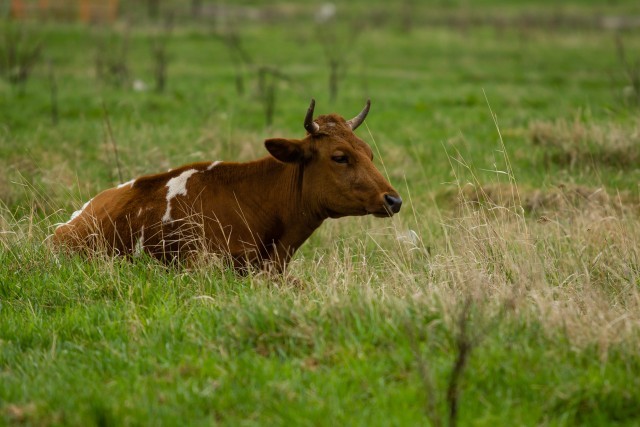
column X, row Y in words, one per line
column 391, row 204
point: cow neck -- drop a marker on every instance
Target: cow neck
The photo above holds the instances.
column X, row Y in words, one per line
column 277, row 189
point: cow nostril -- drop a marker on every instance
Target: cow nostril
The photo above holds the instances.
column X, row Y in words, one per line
column 393, row 203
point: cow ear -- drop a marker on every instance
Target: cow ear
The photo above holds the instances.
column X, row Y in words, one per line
column 286, row 150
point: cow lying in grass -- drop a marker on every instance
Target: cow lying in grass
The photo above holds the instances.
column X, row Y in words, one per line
column 258, row 212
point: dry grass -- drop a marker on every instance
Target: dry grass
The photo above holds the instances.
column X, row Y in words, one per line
column 575, row 273
column 579, row 144
column 574, row 270
column 556, row 201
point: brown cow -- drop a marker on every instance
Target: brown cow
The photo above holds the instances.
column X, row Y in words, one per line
column 258, row 212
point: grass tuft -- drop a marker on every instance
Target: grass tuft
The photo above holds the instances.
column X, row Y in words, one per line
column 587, row 145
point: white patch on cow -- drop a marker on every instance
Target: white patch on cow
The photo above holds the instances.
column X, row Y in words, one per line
column 214, row 164
column 74, row 215
column 79, row 211
column 129, row 183
column 139, row 211
column 331, row 124
column 139, row 247
column 176, row 186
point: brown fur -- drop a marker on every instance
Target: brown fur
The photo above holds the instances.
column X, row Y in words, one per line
column 258, row 212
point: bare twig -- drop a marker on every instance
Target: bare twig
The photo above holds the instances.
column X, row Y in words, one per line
column 112, row 59
column 160, row 55
column 335, row 61
column 466, row 341
column 19, row 53
column 407, row 12
column 268, row 77
column 54, row 94
column 112, row 140
column 335, row 55
column 464, row 346
column 153, row 8
column 431, row 404
column 631, row 70
column 239, row 55
column 196, row 9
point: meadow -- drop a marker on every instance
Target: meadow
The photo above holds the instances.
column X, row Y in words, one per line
column 506, row 291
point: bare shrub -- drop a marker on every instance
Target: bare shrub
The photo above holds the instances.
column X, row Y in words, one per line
column 153, row 9
column 631, row 70
column 159, row 53
column 337, row 46
column 20, row 51
column 408, row 12
column 240, row 58
column 111, row 140
column 53, row 93
column 269, row 78
column 112, row 58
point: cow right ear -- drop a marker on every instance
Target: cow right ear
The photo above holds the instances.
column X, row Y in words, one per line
column 286, row 150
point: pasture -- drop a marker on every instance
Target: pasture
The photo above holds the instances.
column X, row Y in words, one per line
column 505, row 292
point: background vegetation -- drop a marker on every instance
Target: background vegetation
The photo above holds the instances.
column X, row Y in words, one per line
column 506, row 292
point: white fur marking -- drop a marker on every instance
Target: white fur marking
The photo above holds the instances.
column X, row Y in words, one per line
column 79, row 211
column 176, row 186
column 129, row 183
column 214, row 164
column 74, row 215
column 139, row 211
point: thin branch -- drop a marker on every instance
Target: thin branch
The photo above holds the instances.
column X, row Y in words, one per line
column 464, row 346
column 54, row 93
column 107, row 121
column 431, row 404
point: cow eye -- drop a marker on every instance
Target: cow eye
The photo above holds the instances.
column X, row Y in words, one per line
column 340, row 159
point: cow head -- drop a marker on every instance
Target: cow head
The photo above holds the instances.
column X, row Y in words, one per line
column 339, row 174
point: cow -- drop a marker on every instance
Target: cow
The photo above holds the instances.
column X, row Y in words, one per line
column 255, row 214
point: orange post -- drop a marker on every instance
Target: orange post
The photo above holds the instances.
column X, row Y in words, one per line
column 85, row 11
column 43, row 8
column 113, row 10
column 17, row 9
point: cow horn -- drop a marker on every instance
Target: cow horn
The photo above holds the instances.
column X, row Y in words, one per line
column 311, row 126
column 357, row 120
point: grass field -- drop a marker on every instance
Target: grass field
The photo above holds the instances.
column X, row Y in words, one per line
column 506, row 292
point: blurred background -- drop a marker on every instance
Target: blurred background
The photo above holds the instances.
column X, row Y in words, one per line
column 93, row 93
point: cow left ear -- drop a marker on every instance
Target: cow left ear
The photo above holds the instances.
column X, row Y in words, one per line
column 286, row 150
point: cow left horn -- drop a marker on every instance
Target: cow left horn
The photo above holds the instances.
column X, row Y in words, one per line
column 311, row 126
column 357, row 120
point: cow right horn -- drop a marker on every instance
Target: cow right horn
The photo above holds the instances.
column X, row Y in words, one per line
column 311, row 126
column 357, row 120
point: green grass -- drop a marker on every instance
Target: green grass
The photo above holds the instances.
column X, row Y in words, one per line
column 527, row 251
